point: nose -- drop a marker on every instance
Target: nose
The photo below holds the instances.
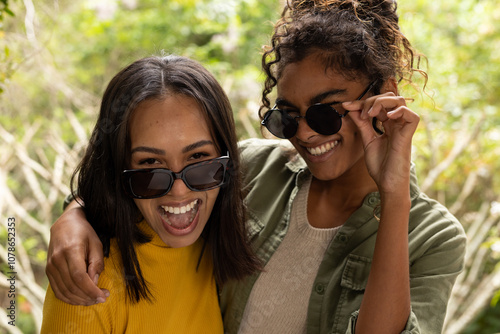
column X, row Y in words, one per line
column 304, row 131
column 179, row 188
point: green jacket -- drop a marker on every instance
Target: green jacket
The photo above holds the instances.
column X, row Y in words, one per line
column 273, row 175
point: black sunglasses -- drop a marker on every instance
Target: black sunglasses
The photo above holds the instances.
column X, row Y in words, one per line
column 320, row 117
column 157, row 182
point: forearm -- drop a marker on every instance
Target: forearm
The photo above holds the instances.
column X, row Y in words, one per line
column 386, row 303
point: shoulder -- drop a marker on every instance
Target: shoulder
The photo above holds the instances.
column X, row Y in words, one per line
column 434, row 230
column 255, row 147
column 429, row 212
column 268, row 156
column 60, row 317
column 112, row 275
column 428, row 216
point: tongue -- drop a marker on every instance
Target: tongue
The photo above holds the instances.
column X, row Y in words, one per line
column 182, row 220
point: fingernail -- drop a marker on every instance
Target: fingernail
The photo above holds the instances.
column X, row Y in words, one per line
column 100, row 300
column 347, row 103
column 96, row 279
column 106, row 293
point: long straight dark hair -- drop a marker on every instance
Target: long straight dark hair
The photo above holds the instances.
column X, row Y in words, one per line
column 113, row 214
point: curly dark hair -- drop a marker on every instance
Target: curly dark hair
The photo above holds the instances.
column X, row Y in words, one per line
column 354, row 37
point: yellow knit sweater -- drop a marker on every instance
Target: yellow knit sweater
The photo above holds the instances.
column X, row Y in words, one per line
column 185, row 300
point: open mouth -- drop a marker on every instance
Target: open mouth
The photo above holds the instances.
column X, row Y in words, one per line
column 322, row 149
column 180, row 217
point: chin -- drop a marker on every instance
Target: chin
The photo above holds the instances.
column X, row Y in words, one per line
column 325, row 172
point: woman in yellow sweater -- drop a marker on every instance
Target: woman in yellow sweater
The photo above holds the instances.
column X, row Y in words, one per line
column 161, row 186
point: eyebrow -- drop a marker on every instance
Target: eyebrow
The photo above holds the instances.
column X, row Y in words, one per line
column 320, row 97
column 158, row 151
column 196, row 145
column 148, row 149
column 314, row 100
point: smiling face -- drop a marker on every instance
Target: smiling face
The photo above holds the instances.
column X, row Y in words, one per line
column 305, row 83
column 172, row 133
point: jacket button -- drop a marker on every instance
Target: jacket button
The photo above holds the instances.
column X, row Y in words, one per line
column 320, row 288
column 372, row 200
column 342, row 238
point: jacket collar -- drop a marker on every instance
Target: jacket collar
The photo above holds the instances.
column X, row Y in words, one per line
column 298, row 166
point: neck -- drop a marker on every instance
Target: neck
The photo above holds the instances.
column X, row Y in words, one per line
column 348, row 189
column 340, row 197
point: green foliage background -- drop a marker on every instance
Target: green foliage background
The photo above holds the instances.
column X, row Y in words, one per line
column 56, row 58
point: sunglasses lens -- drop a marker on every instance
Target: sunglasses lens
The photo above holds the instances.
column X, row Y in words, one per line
column 149, row 184
column 205, row 176
column 323, row 119
column 280, row 124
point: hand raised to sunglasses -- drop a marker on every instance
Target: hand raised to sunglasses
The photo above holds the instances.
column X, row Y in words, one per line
column 388, row 155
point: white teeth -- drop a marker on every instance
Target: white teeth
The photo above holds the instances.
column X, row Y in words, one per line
column 323, row 148
column 180, row 210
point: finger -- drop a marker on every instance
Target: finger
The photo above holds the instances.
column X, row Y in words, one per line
column 365, row 127
column 375, row 104
column 379, row 107
column 61, row 282
column 404, row 113
column 389, row 107
column 95, row 258
column 82, row 284
column 96, row 263
column 404, row 119
column 362, row 121
column 60, row 295
column 55, row 284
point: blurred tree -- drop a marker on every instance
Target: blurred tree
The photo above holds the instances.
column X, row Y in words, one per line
column 4, row 54
column 456, row 148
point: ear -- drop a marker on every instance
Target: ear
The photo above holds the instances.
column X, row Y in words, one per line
column 390, row 85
